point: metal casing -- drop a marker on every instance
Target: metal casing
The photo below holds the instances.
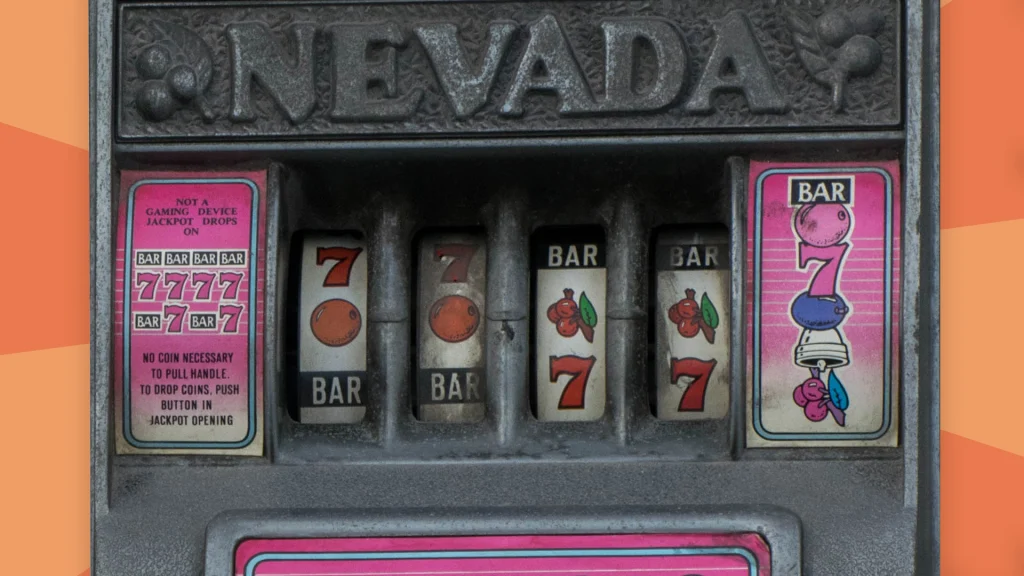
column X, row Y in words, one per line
column 626, row 169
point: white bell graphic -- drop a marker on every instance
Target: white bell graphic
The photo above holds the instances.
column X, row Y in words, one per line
column 818, row 347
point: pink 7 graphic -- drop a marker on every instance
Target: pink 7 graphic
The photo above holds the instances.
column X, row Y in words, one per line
column 176, row 280
column 231, row 314
column 232, row 281
column 148, row 281
column 177, row 316
column 825, row 279
column 204, row 280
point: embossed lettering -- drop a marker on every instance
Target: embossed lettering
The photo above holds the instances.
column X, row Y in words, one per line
column 548, row 65
column 388, row 70
column 288, row 81
column 467, row 91
column 621, row 37
column 737, row 64
column 354, row 74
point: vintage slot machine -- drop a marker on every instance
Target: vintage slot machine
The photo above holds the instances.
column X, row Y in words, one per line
column 561, row 287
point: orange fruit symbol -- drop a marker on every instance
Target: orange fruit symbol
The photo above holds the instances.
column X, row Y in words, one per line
column 336, row 322
column 454, row 318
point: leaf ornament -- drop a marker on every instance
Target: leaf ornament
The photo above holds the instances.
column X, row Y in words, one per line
column 812, row 55
column 186, row 47
column 709, row 312
column 587, row 312
column 837, row 392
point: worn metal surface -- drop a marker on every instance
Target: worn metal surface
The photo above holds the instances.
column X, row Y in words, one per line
column 860, row 510
column 777, row 530
column 391, row 69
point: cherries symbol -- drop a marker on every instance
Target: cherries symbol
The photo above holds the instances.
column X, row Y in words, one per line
column 818, row 401
column 175, row 71
column 691, row 318
column 570, row 318
column 811, row 396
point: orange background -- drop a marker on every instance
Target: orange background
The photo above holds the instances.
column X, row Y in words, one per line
column 44, row 344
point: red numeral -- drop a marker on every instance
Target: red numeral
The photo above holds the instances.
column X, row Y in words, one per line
column 231, row 280
column 700, row 371
column 339, row 274
column 230, row 315
column 148, row 282
column 204, row 280
column 176, row 280
column 824, row 281
column 461, row 255
column 177, row 316
column 579, row 371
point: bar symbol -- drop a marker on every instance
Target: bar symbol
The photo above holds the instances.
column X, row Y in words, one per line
column 147, row 321
column 149, row 258
column 177, row 258
column 202, row 321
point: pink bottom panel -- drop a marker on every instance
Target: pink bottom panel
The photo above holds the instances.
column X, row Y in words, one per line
column 744, row 554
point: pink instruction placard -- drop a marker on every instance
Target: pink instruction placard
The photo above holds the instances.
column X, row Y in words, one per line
column 823, row 305
column 739, row 554
column 188, row 331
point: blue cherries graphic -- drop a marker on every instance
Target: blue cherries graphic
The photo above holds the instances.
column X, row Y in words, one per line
column 837, row 393
column 819, row 312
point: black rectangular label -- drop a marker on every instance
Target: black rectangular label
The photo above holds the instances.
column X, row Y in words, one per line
column 149, row 258
column 692, row 257
column 450, row 386
column 205, row 258
column 821, row 190
column 177, row 258
column 232, row 258
column 142, row 321
column 322, row 389
column 569, row 248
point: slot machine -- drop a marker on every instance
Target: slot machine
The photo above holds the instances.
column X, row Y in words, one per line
column 499, row 287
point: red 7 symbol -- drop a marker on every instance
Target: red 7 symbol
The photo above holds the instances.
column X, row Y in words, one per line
column 461, row 255
column 700, row 371
column 575, row 390
column 339, row 274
